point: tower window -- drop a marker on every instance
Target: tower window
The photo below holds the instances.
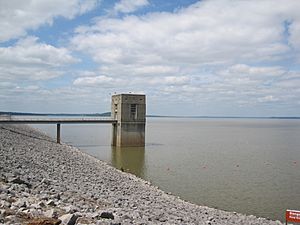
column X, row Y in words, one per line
column 115, row 111
column 133, row 111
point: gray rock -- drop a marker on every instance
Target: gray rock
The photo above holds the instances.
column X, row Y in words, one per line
column 90, row 215
column 45, row 181
column 4, row 204
column 35, row 206
column 20, row 203
column 45, row 221
column 17, row 180
column 4, row 191
column 41, row 204
column 51, row 213
column 107, row 215
column 20, row 210
column 68, row 219
column 3, row 178
column 44, row 197
column 35, row 212
column 103, row 223
column 11, row 217
column 51, row 203
column 71, row 209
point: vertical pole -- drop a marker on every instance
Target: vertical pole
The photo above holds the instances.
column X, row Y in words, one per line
column 58, row 133
column 114, row 134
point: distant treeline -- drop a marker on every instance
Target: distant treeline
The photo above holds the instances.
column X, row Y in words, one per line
column 108, row 114
column 54, row 114
column 229, row 117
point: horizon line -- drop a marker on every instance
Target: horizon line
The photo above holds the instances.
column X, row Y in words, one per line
column 150, row 115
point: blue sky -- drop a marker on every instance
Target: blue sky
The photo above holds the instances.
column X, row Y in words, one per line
column 211, row 58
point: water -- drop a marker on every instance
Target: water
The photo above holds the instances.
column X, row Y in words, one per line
column 250, row 166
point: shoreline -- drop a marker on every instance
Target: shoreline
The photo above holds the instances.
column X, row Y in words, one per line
column 40, row 180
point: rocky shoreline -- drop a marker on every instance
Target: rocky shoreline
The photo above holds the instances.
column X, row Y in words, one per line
column 42, row 182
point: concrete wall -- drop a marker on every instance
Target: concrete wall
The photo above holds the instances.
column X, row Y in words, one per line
column 130, row 112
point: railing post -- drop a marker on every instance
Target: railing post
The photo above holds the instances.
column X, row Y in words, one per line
column 58, row 133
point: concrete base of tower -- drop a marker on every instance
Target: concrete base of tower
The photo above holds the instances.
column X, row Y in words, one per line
column 128, row 135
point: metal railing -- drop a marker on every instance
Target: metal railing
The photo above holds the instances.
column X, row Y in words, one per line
column 7, row 119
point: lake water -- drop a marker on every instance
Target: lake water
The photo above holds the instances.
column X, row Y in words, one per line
column 250, row 166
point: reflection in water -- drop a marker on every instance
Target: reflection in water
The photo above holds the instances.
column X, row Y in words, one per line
column 130, row 159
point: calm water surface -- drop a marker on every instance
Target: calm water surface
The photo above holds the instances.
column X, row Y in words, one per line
column 250, row 166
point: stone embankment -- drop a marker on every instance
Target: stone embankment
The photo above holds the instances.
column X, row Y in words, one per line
column 42, row 182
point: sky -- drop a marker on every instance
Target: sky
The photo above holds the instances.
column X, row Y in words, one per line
column 190, row 57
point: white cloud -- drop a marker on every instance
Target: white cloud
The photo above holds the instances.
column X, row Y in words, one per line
column 254, row 71
column 30, row 60
column 208, row 32
column 29, row 51
column 128, row 6
column 6, row 85
column 213, row 55
column 243, row 77
column 222, row 51
column 105, row 81
column 31, row 98
column 94, row 81
column 17, row 17
column 139, row 70
column 290, row 82
column 268, row 98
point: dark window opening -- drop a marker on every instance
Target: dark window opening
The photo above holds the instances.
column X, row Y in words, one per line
column 116, row 111
column 133, row 111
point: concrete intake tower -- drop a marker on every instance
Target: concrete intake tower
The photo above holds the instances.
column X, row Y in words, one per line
column 130, row 112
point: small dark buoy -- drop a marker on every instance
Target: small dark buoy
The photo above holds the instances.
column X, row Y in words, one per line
column 122, row 169
column 237, row 165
